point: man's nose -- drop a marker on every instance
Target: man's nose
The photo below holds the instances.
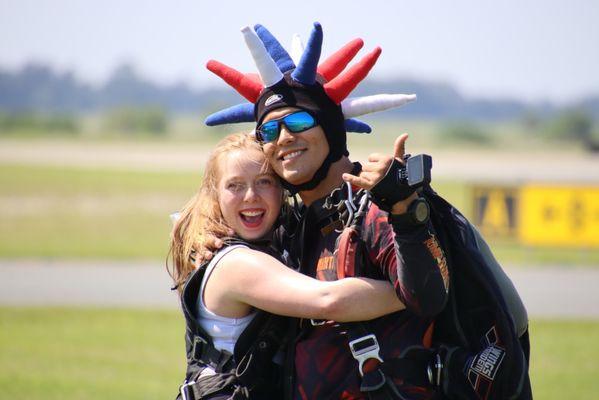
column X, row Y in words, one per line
column 285, row 136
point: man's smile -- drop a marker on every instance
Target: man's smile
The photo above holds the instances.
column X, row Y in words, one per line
column 291, row 154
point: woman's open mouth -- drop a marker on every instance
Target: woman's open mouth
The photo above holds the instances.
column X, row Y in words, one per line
column 252, row 218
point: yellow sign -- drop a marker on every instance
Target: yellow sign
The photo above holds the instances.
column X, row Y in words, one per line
column 559, row 215
column 495, row 210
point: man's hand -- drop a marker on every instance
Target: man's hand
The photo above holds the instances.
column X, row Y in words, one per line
column 210, row 246
column 377, row 167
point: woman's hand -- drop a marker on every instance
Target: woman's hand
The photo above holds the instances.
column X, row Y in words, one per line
column 250, row 277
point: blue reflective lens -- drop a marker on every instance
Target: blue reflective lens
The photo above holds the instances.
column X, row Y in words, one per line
column 268, row 131
column 295, row 123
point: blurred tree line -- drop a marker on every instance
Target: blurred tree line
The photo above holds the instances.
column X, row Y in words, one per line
column 32, row 122
column 38, row 99
column 37, row 87
column 575, row 125
column 125, row 121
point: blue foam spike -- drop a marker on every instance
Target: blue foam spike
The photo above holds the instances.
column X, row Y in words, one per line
column 274, row 48
column 306, row 70
column 240, row 113
column 353, row 125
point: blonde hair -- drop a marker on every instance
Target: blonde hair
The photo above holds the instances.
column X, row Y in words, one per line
column 201, row 217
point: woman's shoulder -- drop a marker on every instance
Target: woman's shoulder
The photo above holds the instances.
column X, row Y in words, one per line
column 235, row 254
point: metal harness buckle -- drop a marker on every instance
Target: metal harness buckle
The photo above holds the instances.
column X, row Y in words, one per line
column 365, row 348
column 183, row 390
column 194, row 349
column 435, row 381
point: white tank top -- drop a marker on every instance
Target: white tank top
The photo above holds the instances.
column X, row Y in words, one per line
column 223, row 330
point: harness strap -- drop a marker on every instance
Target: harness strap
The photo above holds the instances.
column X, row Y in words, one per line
column 376, row 374
column 364, row 347
column 362, row 343
column 346, row 252
column 212, row 385
column 205, row 352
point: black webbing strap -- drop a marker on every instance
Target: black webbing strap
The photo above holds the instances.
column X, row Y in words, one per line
column 205, row 352
column 413, row 366
column 209, row 385
column 364, row 347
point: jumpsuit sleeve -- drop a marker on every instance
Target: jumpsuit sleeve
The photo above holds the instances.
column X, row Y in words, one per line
column 412, row 259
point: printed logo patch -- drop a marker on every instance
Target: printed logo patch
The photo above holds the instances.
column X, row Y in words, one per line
column 326, row 269
column 273, row 99
column 435, row 249
column 484, row 366
column 488, row 361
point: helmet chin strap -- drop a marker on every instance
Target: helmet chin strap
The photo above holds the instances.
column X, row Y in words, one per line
column 318, row 176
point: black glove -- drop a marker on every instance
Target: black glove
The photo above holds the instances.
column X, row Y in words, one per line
column 401, row 180
column 392, row 188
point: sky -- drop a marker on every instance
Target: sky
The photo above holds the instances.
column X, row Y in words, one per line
column 529, row 50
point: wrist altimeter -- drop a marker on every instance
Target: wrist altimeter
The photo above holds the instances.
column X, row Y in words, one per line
column 401, row 180
column 418, row 213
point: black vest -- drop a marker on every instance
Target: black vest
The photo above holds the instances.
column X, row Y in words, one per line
column 252, row 371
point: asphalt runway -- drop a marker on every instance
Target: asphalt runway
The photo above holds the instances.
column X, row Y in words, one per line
column 547, row 292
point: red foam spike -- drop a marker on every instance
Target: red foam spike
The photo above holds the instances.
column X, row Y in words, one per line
column 337, row 61
column 340, row 87
column 255, row 77
column 246, row 86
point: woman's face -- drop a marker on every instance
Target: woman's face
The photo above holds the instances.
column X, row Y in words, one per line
column 249, row 198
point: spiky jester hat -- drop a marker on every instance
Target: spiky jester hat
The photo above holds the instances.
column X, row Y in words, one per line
column 321, row 89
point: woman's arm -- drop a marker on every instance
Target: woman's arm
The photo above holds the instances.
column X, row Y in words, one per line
column 259, row 280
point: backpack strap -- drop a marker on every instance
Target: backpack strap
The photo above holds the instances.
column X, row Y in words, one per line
column 491, row 357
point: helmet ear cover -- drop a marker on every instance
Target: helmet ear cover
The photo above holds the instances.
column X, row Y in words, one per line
column 313, row 98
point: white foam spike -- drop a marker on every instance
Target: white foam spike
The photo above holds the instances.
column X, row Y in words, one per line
column 356, row 106
column 267, row 67
column 297, row 48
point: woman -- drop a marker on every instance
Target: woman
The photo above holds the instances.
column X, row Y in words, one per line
column 230, row 343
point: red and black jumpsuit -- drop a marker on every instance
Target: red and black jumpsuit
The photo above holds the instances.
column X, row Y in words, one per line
column 409, row 257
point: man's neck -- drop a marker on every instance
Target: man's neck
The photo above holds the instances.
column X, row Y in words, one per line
column 332, row 181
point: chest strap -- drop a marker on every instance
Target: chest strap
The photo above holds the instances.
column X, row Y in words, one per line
column 205, row 352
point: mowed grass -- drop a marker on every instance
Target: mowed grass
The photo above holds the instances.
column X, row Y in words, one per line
column 90, row 354
column 77, row 212
column 564, row 359
column 69, row 212
column 84, row 353
column 89, row 213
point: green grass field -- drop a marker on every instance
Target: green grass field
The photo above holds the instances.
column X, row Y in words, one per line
column 77, row 212
column 88, row 213
column 85, row 354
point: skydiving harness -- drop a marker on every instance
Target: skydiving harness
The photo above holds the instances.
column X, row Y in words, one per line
column 479, row 354
column 246, row 374
column 376, row 373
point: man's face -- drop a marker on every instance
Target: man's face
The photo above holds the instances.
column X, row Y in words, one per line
column 295, row 157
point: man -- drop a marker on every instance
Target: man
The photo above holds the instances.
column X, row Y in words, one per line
column 302, row 125
column 302, row 114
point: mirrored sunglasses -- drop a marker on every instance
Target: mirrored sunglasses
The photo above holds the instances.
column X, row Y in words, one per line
column 296, row 122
